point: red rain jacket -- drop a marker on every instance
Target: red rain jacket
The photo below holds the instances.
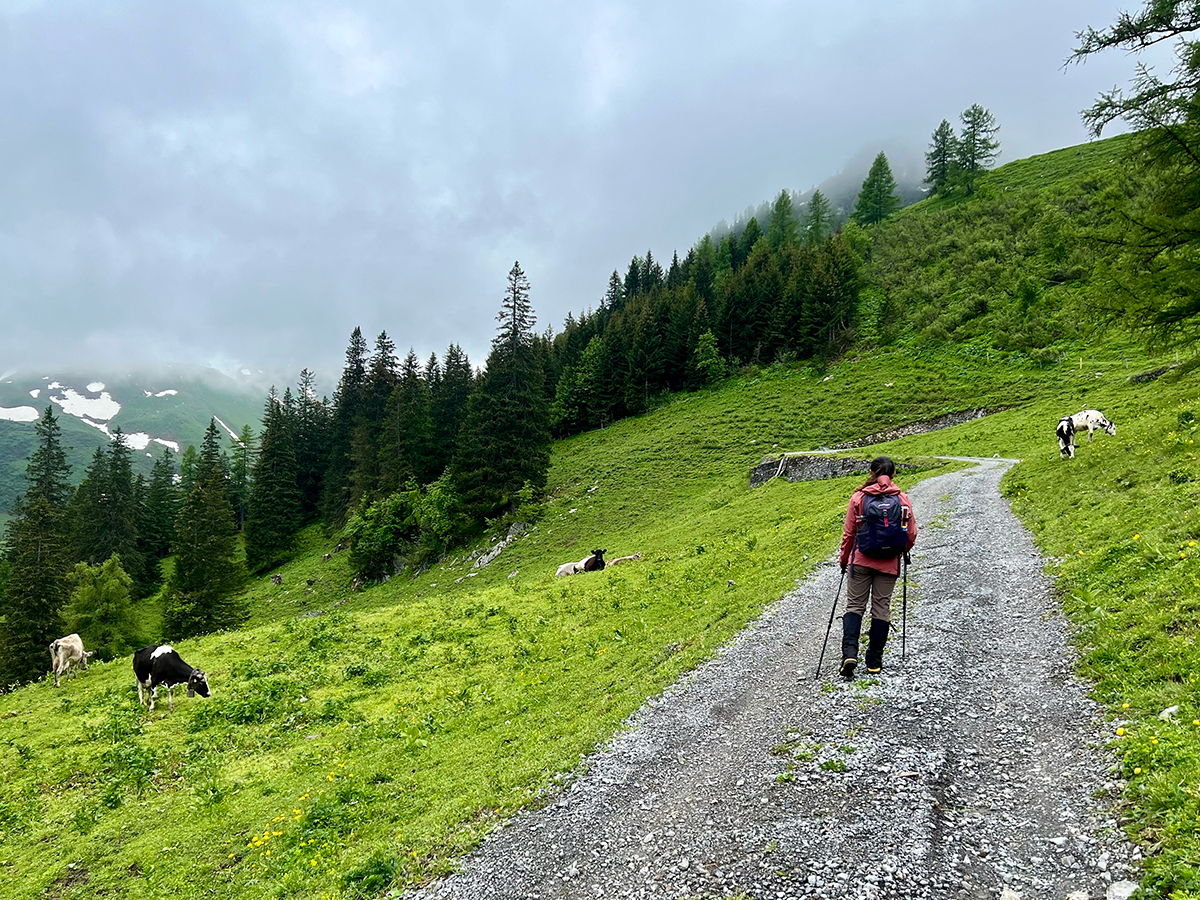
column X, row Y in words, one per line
column 883, row 485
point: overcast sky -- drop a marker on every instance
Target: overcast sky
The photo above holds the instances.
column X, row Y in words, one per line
column 243, row 183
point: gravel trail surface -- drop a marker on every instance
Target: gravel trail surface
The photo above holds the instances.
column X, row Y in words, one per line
column 973, row 768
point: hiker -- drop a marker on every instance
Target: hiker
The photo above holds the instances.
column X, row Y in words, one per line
column 880, row 528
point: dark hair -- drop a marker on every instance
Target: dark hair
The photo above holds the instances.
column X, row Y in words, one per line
column 880, row 465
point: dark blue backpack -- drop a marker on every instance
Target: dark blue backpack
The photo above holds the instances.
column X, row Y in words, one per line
column 883, row 526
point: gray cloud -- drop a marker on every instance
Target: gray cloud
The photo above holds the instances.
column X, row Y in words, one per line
column 245, row 183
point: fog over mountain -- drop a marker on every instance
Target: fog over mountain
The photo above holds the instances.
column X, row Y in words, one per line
column 242, row 184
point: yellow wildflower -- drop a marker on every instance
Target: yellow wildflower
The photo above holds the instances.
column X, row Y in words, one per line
column 1120, row 731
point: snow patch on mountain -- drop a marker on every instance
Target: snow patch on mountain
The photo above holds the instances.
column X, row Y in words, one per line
column 34, row 393
column 171, row 445
column 169, row 393
column 233, row 434
column 95, row 387
column 102, row 408
column 19, row 414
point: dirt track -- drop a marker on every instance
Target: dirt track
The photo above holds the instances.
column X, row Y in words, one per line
column 967, row 770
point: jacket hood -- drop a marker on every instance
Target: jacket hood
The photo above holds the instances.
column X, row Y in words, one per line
column 882, row 485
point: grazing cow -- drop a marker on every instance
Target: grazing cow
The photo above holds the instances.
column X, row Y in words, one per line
column 160, row 666
column 593, row 562
column 67, row 656
column 277, row 580
column 624, row 559
column 1091, row 419
column 1066, row 438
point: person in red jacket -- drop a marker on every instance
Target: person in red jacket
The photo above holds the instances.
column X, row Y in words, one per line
column 873, row 569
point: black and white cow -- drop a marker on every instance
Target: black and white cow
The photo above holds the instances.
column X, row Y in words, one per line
column 67, row 656
column 160, row 666
column 1066, row 437
column 1092, row 419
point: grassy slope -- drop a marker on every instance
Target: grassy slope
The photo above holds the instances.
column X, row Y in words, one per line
column 408, row 720
column 373, row 742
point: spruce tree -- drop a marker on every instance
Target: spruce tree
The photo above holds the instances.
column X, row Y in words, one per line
column 977, row 145
column 504, row 442
column 941, row 159
column 449, row 405
column 407, row 438
column 162, row 502
column 782, row 227
column 274, row 513
column 187, row 470
column 37, row 561
column 347, row 402
column 48, row 473
column 199, row 594
column 312, row 443
column 818, row 221
column 877, row 200
column 241, row 468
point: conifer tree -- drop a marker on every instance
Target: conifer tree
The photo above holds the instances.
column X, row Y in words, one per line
column 818, row 221
column 877, row 200
column 199, row 594
column 614, row 295
column 187, row 470
column 504, row 442
column 241, row 468
column 407, row 436
column 977, row 145
column 707, row 362
column 274, row 514
column 449, row 405
column 745, row 244
column 37, row 561
column 703, row 269
column 48, row 472
column 941, row 158
column 675, row 272
column 101, row 609
column 347, row 401
column 312, row 443
column 633, row 276
column 652, row 274
column 162, row 502
column 782, row 227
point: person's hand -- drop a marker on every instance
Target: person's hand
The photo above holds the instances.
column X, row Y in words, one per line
column 843, row 568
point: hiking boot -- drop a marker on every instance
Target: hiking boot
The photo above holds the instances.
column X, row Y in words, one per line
column 877, row 639
column 851, row 628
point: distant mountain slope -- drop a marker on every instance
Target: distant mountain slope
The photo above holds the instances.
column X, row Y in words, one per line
column 168, row 407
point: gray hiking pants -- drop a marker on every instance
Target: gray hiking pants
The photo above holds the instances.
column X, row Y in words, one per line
column 864, row 581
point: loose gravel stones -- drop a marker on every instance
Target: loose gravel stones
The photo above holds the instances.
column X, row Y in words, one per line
column 971, row 769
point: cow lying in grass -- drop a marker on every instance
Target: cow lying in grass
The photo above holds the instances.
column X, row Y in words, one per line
column 593, row 562
column 67, row 657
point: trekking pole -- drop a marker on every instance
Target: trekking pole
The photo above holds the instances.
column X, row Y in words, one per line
column 832, row 613
column 904, row 610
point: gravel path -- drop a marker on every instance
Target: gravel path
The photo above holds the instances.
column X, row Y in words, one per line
column 971, row 769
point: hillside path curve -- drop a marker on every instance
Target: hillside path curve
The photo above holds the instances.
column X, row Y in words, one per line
column 973, row 768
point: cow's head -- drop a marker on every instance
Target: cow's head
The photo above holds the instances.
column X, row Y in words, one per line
column 197, row 684
column 1110, row 428
column 599, row 554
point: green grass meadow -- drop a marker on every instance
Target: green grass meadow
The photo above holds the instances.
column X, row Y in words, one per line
column 363, row 749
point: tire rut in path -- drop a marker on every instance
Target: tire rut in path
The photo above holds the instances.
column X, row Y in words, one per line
column 970, row 766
